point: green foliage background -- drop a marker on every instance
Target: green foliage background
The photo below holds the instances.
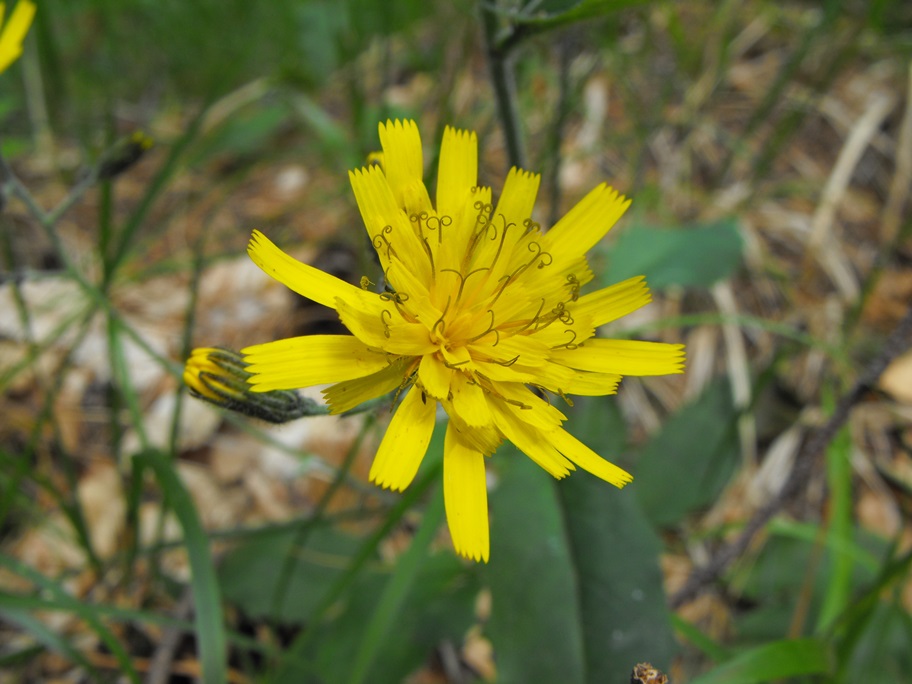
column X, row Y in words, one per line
column 575, row 579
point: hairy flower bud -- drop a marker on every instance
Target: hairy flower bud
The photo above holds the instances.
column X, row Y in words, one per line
column 219, row 376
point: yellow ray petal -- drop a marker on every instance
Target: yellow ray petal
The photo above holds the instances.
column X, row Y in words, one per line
column 387, row 224
column 518, row 196
column 414, row 293
column 434, row 376
column 611, row 303
column 625, row 357
column 587, row 459
column 551, row 376
column 529, row 440
column 385, row 329
column 584, row 225
column 13, row 32
column 529, row 407
column 344, row 396
column 403, row 165
column 405, row 442
column 465, row 496
column 530, row 352
column 468, row 401
column 503, row 373
column 508, row 234
column 483, row 438
column 559, row 335
column 587, row 384
column 457, row 173
column 307, row 281
column 310, row 360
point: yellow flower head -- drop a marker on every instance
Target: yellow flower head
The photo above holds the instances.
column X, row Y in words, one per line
column 12, row 33
column 482, row 313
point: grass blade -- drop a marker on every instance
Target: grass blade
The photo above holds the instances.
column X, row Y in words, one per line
column 83, row 611
column 777, row 659
column 839, row 477
column 210, row 627
column 396, row 591
column 47, row 637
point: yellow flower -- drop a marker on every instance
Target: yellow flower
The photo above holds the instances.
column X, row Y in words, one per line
column 12, row 33
column 482, row 314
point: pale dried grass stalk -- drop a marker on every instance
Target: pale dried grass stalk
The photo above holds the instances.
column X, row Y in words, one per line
column 738, row 369
column 821, row 242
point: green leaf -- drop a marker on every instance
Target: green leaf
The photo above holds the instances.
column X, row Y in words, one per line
column 10, row 607
column 382, row 622
column 245, row 133
column 852, row 549
column 787, row 658
column 840, row 529
column 882, row 653
column 790, row 569
column 249, row 573
column 47, row 637
column 614, row 552
column 696, row 637
column 696, row 256
column 210, row 627
column 535, row 624
column 857, row 625
column 439, row 607
column 687, row 463
column 288, row 668
column 385, row 626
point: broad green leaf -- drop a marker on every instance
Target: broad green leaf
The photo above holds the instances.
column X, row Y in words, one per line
column 615, row 555
column 687, row 463
column 535, row 625
column 773, row 584
column 249, row 573
column 787, row 658
column 791, row 568
column 882, row 653
column 438, row 607
column 695, row 256
column 355, row 570
column 854, row 628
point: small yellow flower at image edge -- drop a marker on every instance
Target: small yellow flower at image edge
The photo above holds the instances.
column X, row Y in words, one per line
column 482, row 313
column 13, row 31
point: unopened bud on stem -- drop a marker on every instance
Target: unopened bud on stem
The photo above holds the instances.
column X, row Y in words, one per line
column 219, row 376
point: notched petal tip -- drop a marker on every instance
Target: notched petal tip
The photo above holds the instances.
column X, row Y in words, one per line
column 396, row 124
column 384, row 483
column 477, row 555
column 462, row 134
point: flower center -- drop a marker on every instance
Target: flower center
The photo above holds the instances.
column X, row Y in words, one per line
column 481, row 274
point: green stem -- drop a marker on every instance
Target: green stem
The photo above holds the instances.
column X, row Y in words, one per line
column 504, row 83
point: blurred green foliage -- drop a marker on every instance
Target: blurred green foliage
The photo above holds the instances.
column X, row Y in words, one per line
column 575, row 580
